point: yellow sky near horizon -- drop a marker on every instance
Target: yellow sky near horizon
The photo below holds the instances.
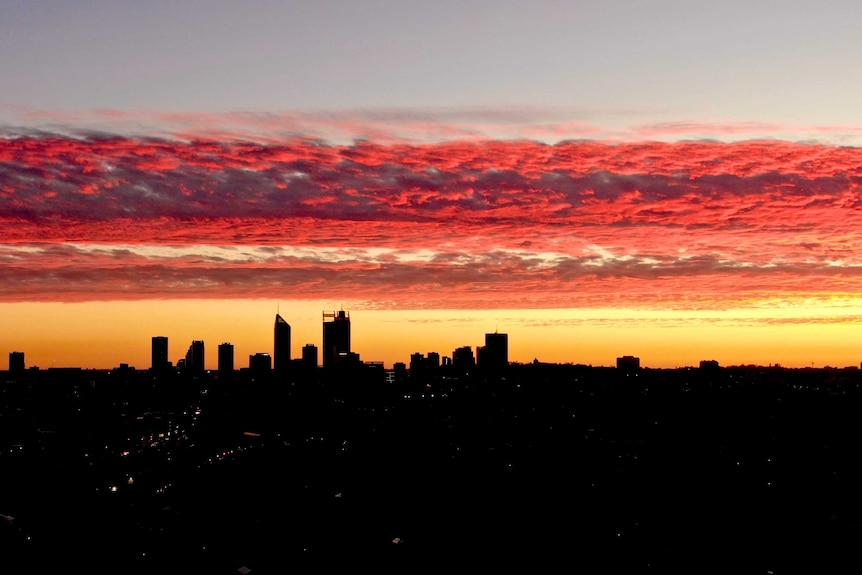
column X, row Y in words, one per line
column 102, row 335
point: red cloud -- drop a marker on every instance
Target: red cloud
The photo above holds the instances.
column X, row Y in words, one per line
column 507, row 223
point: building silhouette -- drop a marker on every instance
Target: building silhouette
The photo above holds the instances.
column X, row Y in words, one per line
column 16, row 361
column 709, row 364
column 281, row 345
column 418, row 366
column 160, row 356
column 309, row 355
column 195, row 357
column 336, row 337
column 424, row 366
column 463, row 358
column 225, row 358
column 399, row 372
column 260, row 363
column 494, row 355
column 628, row 363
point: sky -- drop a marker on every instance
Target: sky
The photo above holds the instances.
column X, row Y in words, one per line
column 674, row 180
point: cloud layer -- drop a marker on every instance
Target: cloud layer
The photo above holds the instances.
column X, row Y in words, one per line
column 452, row 224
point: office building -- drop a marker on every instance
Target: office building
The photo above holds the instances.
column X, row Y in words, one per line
column 260, row 363
column 195, row 357
column 225, row 358
column 309, row 355
column 281, row 345
column 399, row 371
column 418, row 366
column 628, row 363
column 463, row 358
column 160, row 356
column 494, row 354
column 336, row 336
column 16, row 361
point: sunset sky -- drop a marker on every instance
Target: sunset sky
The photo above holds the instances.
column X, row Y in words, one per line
column 675, row 180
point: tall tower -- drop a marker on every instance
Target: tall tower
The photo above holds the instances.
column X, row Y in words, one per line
column 16, row 361
column 281, row 345
column 495, row 354
column 225, row 358
column 336, row 336
column 309, row 355
column 195, row 357
column 463, row 358
column 160, row 353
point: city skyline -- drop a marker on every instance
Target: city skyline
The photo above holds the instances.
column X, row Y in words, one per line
column 494, row 346
column 335, row 343
column 675, row 181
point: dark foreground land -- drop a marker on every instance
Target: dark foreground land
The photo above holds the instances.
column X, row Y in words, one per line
column 543, row 468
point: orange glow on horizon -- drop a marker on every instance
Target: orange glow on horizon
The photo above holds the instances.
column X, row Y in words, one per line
column 102, row 335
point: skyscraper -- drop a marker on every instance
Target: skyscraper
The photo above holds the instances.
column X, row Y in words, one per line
column 495, row 353
column 418, row 365
column 195, row 357
column 336, row 336
column 16, row 361
column 281, row 345
column 225, row 358
column 309, row 355
column 160, row 353
column 260, row 363
column 463, row 358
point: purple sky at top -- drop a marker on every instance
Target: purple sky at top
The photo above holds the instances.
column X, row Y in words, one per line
column 606, row 62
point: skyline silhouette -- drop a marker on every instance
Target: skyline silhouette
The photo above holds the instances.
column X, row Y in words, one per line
column 336, row 329
column 600, row 469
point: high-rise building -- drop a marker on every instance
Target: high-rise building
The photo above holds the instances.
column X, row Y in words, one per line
column 225, row 358
column 495, row 353
column 399, row 371
column 195, row 357
column 281, row 345
column 309, row 355
column 16, row 361
column 336, row 336
column 463, row 358
column 160, row 360
column 260, row 363
column 418, row 366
